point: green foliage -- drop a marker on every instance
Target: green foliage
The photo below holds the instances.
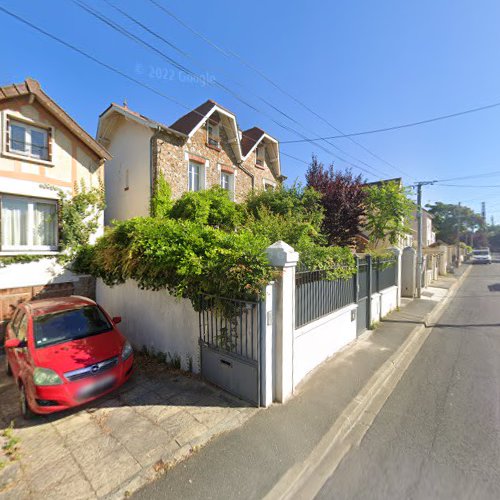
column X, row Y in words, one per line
column 161, row 201
column 388, row 212
column 78, row 216
column 183, row 257
column 6, row 260
column 450, row 219
column 211, row 207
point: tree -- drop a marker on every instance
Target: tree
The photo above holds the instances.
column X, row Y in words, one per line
column 388, row 212
column 450, row 219
column 343, row 197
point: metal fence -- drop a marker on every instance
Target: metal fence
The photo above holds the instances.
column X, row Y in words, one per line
column 317, row 296
column 384, row 274
column 230, row 325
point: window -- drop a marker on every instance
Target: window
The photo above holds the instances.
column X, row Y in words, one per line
column 213, row 138
column 23, row 328
column 194, row 176
column 73, row 324
column 260, row 155
column 28, row 224
column 29, row 141
column 225, row 181
column 269, row 186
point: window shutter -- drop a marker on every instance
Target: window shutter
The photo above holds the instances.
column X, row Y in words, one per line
column 7, row 135
column 59, row 225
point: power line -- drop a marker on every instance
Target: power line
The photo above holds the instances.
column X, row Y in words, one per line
column 470, row 186
column 120, row 29
column 407, row 125
column 229, row 53
column 265, row 101
column 113, row 69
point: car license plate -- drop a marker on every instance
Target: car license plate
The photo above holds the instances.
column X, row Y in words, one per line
column 96, row 387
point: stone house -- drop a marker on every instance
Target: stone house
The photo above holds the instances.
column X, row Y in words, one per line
column 41, row 146
column 203, row 148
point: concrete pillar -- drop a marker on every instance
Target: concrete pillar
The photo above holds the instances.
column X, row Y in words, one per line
column 266, row 344
column 284, row 258
column 398, row 253
column 408, row 272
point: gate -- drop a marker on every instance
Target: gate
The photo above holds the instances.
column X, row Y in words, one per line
column 364, row 295
column 230, row 345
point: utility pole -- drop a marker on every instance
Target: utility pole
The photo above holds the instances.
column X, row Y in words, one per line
column 420, row 257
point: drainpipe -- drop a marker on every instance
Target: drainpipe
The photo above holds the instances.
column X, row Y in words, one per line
column 240, row 164
column 152, row 167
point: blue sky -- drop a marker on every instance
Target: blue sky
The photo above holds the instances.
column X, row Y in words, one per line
column 359, row 64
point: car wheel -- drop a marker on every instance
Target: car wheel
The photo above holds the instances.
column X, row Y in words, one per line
column 8, row 369
column 25, row 406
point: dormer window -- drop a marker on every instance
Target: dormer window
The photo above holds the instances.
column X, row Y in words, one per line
column 260, row 155
column 213, row 138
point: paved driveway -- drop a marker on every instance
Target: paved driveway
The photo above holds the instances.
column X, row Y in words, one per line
column 115, row 445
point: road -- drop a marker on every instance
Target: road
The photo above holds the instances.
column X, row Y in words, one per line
column 438, row 434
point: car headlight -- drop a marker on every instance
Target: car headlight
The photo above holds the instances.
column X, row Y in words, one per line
column 127, row 351
column 46, row 376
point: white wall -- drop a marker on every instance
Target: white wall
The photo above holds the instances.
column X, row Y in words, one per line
column 130, row 148
column 41, row 272
column 317, row 341
column 155, row 320
column 388, row 300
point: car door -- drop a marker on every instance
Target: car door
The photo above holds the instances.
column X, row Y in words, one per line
column 20, row 354
column 11, row 333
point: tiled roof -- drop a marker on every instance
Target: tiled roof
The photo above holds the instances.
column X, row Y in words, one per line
column 32, row 87
column 250, row 138
column 185, row 124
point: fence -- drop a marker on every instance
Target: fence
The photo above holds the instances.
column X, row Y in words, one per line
column 384, row 274
column 317, row 296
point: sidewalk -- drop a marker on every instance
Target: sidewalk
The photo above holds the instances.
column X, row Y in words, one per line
column 116, row 444
column 268, row 454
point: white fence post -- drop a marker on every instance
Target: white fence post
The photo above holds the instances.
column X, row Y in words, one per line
column 266, row 343
column 285, row 258
column 398, row 253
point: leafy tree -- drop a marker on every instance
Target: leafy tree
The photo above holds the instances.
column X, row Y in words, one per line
column 161, row 201
column 343, row 198
column 449, row 219
column 388, row 212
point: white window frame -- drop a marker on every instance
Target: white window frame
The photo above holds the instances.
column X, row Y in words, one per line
column 30, row 247
column 201, row 175
column 231, row 182
column 269, row 183
column 7, row 119
column 260, row 158
column 215, row 134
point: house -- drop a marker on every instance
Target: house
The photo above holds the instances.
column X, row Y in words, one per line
column 428, row 233
column 203, row 148
column 41, row 147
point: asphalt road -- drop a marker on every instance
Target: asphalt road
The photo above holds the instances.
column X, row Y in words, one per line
column 438, row 434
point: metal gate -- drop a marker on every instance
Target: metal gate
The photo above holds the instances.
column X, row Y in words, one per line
column 230, row 345
column 364, row 295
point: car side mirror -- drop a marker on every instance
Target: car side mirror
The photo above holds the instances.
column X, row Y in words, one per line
column 117, row 319
column 14, row 343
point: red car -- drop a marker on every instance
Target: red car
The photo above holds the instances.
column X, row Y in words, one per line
column 64, row 352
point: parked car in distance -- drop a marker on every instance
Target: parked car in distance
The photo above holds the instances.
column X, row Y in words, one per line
column 481, row 256
column 64, row 352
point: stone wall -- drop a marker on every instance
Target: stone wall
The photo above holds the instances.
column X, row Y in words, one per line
column 172, row 154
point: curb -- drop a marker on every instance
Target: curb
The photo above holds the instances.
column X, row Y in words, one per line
column 304, row 480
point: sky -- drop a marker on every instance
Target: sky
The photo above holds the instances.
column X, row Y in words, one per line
column 358, row 65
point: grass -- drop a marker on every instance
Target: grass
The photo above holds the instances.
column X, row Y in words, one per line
column 10, row 446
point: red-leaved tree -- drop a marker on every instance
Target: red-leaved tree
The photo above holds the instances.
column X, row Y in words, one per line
column 343, row 197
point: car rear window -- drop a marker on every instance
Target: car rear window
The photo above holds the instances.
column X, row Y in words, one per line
column 73, row 324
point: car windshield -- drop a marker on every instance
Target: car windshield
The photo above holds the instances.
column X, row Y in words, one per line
column 481, row 252
column 73, row 324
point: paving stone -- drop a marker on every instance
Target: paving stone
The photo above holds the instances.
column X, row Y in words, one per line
column 76, row 487
column 157, row 413
column 18, row 491
column 54, row 473
column 107, row 474
column 94, row 450
column 210, row 416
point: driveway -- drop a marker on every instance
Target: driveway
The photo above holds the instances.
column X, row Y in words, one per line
column 115, row 445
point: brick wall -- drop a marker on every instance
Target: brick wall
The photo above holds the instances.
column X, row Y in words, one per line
column 11, row 297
